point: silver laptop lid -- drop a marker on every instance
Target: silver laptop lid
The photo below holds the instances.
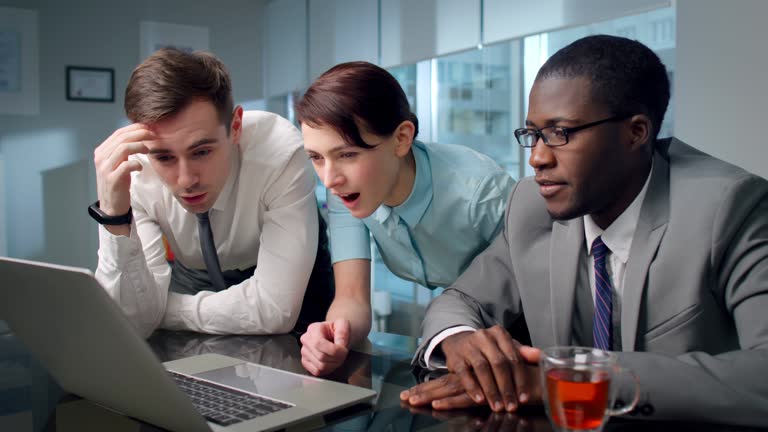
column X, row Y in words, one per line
column 64, row 317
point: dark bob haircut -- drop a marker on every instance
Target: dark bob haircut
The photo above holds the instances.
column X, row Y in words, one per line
column 356, row 96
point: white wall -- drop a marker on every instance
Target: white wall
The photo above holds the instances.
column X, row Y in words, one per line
column 102, row 34
column 507, row 19
column 720, row 81
column 417, row 30
column 285, row 51
column 342, row 31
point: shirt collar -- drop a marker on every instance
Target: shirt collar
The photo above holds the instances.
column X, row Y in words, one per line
column 618, row 236
column 414, row 207
column 226, row 197
column 382, row 213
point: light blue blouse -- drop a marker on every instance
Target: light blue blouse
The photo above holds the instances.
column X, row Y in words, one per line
column 453, row 213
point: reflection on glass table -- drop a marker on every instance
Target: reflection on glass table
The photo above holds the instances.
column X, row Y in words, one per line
column 382, row 364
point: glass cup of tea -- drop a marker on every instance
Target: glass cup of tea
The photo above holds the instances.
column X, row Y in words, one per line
column 580, row 387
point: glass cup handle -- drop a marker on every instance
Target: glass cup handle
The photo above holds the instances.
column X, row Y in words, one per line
column 635, row 400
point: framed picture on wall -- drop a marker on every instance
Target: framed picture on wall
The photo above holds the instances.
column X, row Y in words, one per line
column 90, row 84
column 19, row 74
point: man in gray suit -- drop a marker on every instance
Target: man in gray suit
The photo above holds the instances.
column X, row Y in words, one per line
column 642, row 246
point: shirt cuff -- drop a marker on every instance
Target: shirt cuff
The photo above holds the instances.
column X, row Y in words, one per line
column 176, row 309
column 438, row 362
column 350, row 242
column 115, row 248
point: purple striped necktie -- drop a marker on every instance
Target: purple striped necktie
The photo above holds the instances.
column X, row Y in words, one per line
column 602, row 323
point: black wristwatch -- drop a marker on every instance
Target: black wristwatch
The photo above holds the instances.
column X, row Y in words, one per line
column 106, row 219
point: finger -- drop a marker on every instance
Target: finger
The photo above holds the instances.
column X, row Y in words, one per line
column 318, row 366
column 325, row 329
column 314, row 331
column 309, row 365
column 445, row 386
column 470, row 383
column 319, row 338
column 462, row 400
column 515, row 387
column 325, row 351
column 419, row 394
column 428, row 387
column 132, row 133
column 491, row 369
column 530, row 354
column 124, row 170
column 520, row 384
column 122, row 152
column 341, row 330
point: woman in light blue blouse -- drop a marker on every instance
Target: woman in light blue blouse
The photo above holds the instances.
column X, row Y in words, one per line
column 430, row 208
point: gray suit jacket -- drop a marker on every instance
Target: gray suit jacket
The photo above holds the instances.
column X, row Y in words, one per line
column 694, row 322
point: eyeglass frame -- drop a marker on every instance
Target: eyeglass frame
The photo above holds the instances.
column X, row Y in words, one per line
column 566, row 131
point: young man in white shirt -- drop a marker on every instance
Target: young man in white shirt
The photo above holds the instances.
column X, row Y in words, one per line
column 189, row 153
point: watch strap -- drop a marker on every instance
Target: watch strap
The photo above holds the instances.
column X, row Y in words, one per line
column 99, row 216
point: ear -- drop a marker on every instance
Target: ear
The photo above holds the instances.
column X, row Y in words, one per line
column 404, row 136
column 236, row 127
column 640, row 132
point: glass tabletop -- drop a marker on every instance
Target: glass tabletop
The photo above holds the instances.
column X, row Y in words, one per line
column 31, row 401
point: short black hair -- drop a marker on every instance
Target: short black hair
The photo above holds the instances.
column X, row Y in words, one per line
column 625, row 75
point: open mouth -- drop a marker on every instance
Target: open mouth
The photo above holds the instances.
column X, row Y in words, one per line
column 349, row 197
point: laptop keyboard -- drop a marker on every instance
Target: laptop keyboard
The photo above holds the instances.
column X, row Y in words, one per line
column 223, row 405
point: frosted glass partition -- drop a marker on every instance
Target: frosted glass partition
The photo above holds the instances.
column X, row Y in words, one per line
column 417, row 30
column 508, row 19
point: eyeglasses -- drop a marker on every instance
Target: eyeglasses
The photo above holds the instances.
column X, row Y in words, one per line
column 555, row 136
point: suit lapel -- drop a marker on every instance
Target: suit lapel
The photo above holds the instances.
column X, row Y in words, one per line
column 567, row 244
column 651, row 226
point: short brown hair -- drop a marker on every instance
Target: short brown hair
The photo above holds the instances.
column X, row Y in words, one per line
column 355, row 95
column 167, row 81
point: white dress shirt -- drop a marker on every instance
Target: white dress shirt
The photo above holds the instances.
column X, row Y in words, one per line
column 618, row 237
column 265, row 216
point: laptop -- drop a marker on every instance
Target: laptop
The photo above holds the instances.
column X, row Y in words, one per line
column 68, row 321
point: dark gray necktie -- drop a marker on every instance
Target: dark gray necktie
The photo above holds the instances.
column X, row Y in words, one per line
column 210, row 256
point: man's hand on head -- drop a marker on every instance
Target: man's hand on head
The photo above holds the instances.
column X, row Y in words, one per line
column 114, row 168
